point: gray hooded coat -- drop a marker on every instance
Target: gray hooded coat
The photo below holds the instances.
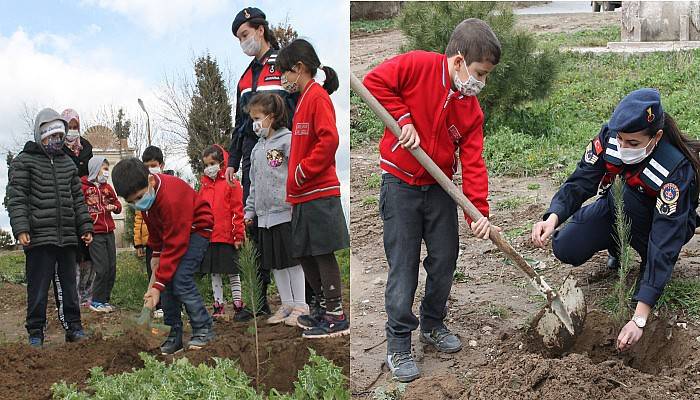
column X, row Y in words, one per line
column 45, row 197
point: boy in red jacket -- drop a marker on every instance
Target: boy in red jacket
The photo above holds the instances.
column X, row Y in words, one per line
column 433, row 98
column 101, row 202
column 179, row 226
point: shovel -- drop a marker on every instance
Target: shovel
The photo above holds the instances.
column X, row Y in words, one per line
column 563, row 316
column 144, row 322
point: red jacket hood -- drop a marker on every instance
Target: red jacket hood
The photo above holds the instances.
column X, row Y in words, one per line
column 222, row 172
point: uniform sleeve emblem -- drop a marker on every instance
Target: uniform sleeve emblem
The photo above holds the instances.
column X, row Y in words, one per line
column 590, row 157
column 667, row 202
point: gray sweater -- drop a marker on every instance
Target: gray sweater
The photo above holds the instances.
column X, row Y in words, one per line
column 268, row 180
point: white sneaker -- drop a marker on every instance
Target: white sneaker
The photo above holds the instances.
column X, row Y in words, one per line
column 158, row 314
column 100, row 307
column 292, row 319
column 280, row 315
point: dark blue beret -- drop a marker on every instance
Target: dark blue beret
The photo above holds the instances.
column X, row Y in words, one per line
column 639, row 110
column 244, row 16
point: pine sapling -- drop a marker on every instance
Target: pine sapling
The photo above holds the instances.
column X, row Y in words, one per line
column 623, row 228
column 251, row 292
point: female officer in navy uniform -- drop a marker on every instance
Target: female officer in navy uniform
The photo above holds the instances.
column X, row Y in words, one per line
column 253, row 31
column 642, row 145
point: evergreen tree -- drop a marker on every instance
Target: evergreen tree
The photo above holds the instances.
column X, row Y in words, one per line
column 10, row 157
column 210, row 115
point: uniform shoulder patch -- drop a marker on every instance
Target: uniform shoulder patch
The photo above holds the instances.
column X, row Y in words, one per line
column 590, row 156
column 666, row 204
column 597, row 146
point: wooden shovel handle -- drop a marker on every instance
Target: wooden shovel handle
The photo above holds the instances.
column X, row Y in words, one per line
column 442, row 179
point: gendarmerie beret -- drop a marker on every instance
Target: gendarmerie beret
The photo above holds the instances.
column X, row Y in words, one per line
column 638, row 111
column 244, row 16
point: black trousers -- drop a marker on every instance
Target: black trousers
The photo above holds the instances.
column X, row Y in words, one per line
column 411, row 215
column 41, row 264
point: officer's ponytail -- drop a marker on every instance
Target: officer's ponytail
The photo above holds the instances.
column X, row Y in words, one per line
column 302, row 51
column 689, row 147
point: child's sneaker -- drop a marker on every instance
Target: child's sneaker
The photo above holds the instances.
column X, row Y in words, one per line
column 200, row 338
column 219, row 311
column 297, row 312
column 329, row 326
column 316, row 312
column 100, row 307
column 110, row 307
column 36, row 339
column 158, row 314
column 173, row 344
column 280, row 315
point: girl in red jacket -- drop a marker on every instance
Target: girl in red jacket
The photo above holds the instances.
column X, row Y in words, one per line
column 226, row 201
column 313, row 189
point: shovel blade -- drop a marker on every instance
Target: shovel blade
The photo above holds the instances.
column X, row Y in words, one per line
column 145, row 318
column 562, row 319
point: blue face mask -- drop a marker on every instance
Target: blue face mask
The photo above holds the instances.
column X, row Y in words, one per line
column 145, row 203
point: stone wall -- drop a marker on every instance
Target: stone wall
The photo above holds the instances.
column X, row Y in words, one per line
column 655, row 21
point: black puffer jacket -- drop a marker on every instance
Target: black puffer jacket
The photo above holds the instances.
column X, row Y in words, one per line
column 45, row 196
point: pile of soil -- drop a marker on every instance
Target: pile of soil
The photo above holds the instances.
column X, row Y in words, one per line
column 28, row 373
column 663, row 365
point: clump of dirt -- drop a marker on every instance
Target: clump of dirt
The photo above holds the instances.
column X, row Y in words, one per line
column 29, row 373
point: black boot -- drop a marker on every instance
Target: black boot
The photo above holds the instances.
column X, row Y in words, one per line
column 246, row 314
column 173, row 344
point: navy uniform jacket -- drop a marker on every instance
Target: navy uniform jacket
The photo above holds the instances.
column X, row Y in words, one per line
column 670, row 216
column 258, row 77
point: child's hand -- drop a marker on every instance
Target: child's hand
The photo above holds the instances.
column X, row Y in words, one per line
column 87, row 238
column 482, row 228
column 248, row 222
column 543, row 229
column 24, row 239
column 409, row 138
column 110, row 207
column 150, row 299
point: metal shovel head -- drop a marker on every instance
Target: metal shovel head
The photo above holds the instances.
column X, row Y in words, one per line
column 145, row 318
column 561, row 320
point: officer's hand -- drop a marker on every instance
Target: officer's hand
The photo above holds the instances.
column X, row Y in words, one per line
column 543, row 230
column 629, row 336
column 230, row 174
column 409, row 137
column 482, row 228
column 24, row 239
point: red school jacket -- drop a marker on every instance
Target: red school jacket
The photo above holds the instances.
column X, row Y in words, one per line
column 314, row 143
column 226, row 204
column 415, row 88
column 177, row 212
column 97, row 198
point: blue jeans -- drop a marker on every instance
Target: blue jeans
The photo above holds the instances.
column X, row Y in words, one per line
column 182, row 290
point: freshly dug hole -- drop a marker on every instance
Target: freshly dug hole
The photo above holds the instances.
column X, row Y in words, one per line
column 663, row 345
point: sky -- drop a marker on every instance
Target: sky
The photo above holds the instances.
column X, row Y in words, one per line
column 91, row 54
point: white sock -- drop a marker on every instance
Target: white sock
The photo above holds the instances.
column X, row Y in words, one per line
column 284, row 286
column 235, row 281
column 218, row 287
column 296, row 277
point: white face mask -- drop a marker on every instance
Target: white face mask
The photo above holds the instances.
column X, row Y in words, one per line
column 212, row 171
column 251, row 46
column 471, row 87
column 103, row 177
column 72, row 134
column 154, row 170
column 258, row 128
column 634, row 156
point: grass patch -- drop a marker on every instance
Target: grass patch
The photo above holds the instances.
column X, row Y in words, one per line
column 533, row 186
column 343, row 257
column 585, row 38
column 681, row 296
column 365, row 127
column 511, row 203
column 12, row 267
column 371, row 26
column 373, row 181
column 511, row 234
column 371, row 200
column 498, row 310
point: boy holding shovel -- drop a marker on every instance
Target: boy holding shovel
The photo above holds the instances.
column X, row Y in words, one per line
column 433, row 99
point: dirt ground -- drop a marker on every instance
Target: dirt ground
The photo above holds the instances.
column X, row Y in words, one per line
column 491, row 304
column 27, row 373
column 490, row 308
column 368, row 50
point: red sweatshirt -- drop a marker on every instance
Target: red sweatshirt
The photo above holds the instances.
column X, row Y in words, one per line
column 226, row 204
column 97, row 198
column 416, row 89
column 314, row 143
column 177, row 212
